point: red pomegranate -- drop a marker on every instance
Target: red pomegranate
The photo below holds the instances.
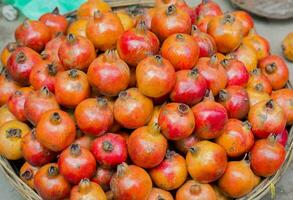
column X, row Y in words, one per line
column 266, row 117
column 190, row 87
column 176, row 121
column 210, row 118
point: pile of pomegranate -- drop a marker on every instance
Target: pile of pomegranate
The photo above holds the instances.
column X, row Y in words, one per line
column 173, row 103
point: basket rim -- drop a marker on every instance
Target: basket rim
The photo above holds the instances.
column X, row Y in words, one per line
column 256, row 194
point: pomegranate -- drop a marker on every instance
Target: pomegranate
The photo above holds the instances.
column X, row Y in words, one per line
column 206, row 161
column 50, row 184
column 284, row 97
column 21, row 62
column 76, row 52
column 238, row 179
column 266, row 117
column 185, row 144
column 210, row 68
column 50, row 52
column 155, row 76
column 181, row 50
column 5, row 115
column 76, row 163
column 55, row 130
column 258, row 43
column 176, row 121
column 256, row 95
column 39, row 102
column 57, row 23
column 104, row 29
column 237, row 138
column 110, row 149
column 210, row 118
column 169, row 20
column 87, row 9
column 193, row 190
column 267, row 156
column 7, row 51
column 94, row 116
column 207, row 8
column 282, row 138
column 206, row 44
column 27, row 174
column 245, row 54
column 87, row 190
column 34, row 152
column 16, row 102
column 109, row 74
column 237, row 73
column 276, row 70
column 7, row 86
column 147, row 146
column 158, row 193
column 235, row 100
column 103, row 177
column 33, row 34
column 130, row 182
column 246, row 21
column 171, row 173
column 259, row 81
column 190, row 87
column 132, row 109
column 137, row 43
column 71, row 87
column 43, row 75
column 225, row 28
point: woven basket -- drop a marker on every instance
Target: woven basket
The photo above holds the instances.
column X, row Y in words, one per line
column 271, row 9
column 11, row 168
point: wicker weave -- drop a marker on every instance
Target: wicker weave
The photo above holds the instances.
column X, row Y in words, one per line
column 271, row 9
column 260, row 191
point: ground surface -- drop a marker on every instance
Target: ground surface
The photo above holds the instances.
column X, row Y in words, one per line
column 275, row 31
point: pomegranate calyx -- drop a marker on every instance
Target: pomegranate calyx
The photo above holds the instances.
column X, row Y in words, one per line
column 75, row 150
column 247, row 124
column 71, row 38
column 171, row 10
column 225, row 62
column 183, row 108
column 159, row 59
column 107, row 146
column 193, row 150
column 223, row 95
column 195, row 189
column 259, row 87
column 55, row 118
column 27, row 174
column 121, row 169
column 194, row 72
column 228, row 19
column 20, row 57
column 102, row 101
column 45, row 91
column 271, row 68
column 53, row 171
column 97, row 14
column 270, row 104
column 84, row 185
column 52, row 69
column 56, row 11
column 73, row 73
column 179, row 37
column 13, row 133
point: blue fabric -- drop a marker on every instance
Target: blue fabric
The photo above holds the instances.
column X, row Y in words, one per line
column 33, row 9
